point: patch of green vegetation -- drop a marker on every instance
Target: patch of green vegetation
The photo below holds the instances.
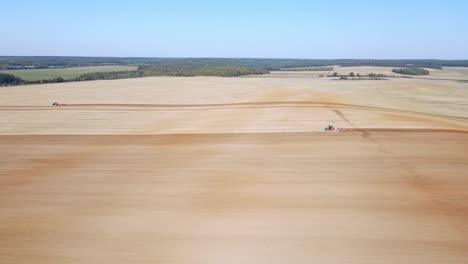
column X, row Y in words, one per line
column 65, row 73
column 411, row 71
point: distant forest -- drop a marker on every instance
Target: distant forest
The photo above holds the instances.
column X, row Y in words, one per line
column 225, row 67
column 13, row 62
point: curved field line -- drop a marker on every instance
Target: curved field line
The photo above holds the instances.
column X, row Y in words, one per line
column 239, row 105
column 210, row 135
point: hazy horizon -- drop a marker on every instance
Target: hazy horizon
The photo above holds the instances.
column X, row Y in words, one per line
column 264, row 29
column 265, row 58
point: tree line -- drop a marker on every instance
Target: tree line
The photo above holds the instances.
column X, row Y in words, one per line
column 358, row 76
column 411, row 71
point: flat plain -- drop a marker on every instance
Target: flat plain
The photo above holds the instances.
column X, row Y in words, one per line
column 66, row 73
column 235, row 170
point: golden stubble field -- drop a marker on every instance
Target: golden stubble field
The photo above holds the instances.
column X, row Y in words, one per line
column 446, row 73
column 234, row 170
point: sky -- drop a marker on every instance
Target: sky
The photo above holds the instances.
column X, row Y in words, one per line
column 359, row 29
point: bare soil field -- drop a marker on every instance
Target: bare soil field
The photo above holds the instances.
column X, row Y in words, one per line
column 161, row 105
column 234, row 170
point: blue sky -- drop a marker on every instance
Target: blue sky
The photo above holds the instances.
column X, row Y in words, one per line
column 257, row 29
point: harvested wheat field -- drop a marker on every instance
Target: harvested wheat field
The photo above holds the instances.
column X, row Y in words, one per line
column 234, row 170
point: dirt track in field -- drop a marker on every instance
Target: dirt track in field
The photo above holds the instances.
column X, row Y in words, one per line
column 215, row 175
